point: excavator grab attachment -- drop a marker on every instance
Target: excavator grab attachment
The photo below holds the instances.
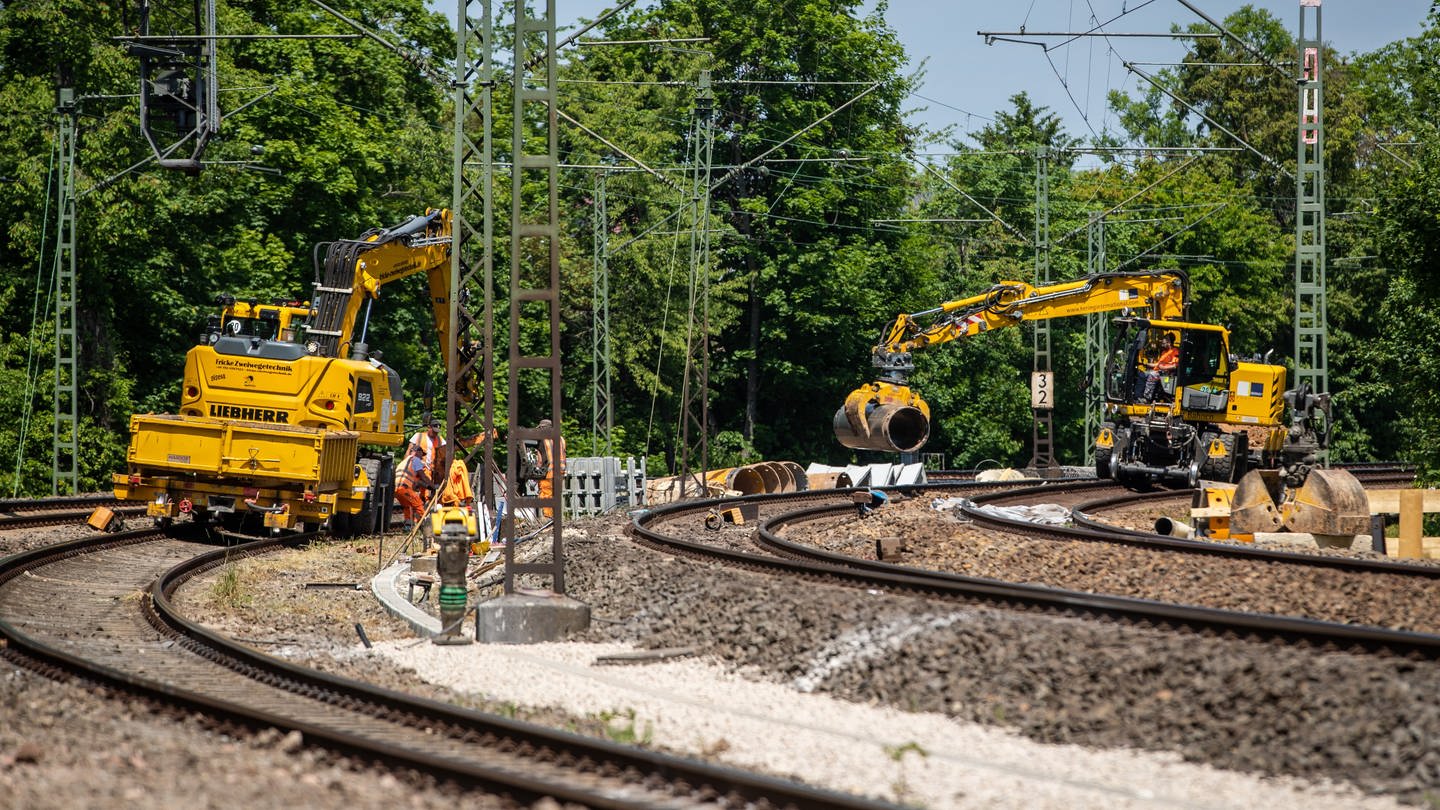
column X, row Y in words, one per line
column 883, row 416
column 1329, row 502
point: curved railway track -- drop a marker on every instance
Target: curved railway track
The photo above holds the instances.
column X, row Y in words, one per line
column 118, row 627
column 673, row 528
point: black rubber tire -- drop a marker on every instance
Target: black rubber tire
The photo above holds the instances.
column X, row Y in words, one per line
column 1242, row 458
column 1218, row 469
column 1102, row 463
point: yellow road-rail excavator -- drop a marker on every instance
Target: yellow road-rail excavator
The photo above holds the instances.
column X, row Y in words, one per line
column 279, row 399
column 1211, row 417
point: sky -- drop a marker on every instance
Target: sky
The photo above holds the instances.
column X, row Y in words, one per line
column 967, row 81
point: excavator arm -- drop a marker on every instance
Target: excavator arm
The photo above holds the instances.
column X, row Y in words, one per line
column 355, row 270
column 887, row 415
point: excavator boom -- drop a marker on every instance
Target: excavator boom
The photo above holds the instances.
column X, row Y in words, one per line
column 355, row 270
column 886, row 415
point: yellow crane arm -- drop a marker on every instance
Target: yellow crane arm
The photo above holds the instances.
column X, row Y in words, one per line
column 1164, row 292
column 355, row 270
column 886, row 415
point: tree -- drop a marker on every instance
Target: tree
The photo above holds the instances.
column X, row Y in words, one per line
column 800, row 250
column 343, row 127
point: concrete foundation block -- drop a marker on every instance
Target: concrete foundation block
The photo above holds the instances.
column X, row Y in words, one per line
column 530, row 618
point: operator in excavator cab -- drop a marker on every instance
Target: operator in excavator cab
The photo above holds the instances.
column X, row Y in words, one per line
column 1163, row 363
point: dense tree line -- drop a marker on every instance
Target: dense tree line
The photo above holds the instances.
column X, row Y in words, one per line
column 814, row 164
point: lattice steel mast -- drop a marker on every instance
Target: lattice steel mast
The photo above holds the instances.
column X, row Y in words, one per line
column 534, row 274
column 1043, row 427
column 471, row 353
column 694, row 394
column 1311, row 321
column 602, row 413
column 65, row 479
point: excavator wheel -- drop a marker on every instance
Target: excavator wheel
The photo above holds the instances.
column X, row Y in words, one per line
column 1219, row 468
column 1102, row 463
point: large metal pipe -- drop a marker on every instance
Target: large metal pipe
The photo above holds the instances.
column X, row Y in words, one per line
column 797, row 474
column 1173, row 528
column 770, row 473
column 893, row 428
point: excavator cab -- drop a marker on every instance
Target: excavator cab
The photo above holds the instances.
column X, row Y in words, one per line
column 1200, row 381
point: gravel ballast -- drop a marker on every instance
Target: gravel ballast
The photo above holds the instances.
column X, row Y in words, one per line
column 922, row 759
column 931, row 703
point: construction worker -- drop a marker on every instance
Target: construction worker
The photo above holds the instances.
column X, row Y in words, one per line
column 431, row 444
column 552, row 463
column 414, row 486
column 457, row 491
column 1164, row 363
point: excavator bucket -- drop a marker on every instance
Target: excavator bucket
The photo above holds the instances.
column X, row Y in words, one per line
column 1330, row 502
column 885, row 417
column 1255, row 506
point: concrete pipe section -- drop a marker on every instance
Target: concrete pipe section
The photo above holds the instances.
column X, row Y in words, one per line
column 761, row 477
column 745, row 480
column 893, row 429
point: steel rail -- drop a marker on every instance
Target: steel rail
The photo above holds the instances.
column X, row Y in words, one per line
column 1225, row 622
column 796, row 559
column 1091, row 528
column 582, row 770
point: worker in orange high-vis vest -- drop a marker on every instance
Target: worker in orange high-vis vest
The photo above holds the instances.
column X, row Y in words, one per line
column 432, row 446
column 414, row 485
column 552, row 463
column 457, row 490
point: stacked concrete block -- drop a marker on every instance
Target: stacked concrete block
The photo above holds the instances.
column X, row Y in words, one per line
column 598, row 484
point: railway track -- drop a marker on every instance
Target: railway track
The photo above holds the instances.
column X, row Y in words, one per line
column 119, row 628
column 1354, row 581
column 33, row 513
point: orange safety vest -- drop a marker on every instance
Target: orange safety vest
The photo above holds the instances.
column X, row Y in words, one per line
column 547, row 457
column 427, row 448
column 409, row 476
column 457, row 491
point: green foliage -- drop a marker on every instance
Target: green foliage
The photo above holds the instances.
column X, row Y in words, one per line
column 357, row 138
column 812, row 155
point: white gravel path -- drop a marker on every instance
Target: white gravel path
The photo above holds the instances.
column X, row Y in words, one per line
column 925, row 760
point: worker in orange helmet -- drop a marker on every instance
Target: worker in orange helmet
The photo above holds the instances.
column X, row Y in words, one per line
column 552, row 462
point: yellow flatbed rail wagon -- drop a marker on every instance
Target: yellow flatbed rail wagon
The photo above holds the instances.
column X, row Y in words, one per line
column 184, row 465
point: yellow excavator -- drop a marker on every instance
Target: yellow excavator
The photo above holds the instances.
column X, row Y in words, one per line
column 1214, row 417
column 279, row 398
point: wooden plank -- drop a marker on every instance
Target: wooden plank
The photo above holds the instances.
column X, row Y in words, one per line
column 1387, row 501
column 1429, row 547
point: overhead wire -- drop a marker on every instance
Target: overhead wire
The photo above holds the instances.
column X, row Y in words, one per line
column 32, row 371
column 660, row 343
